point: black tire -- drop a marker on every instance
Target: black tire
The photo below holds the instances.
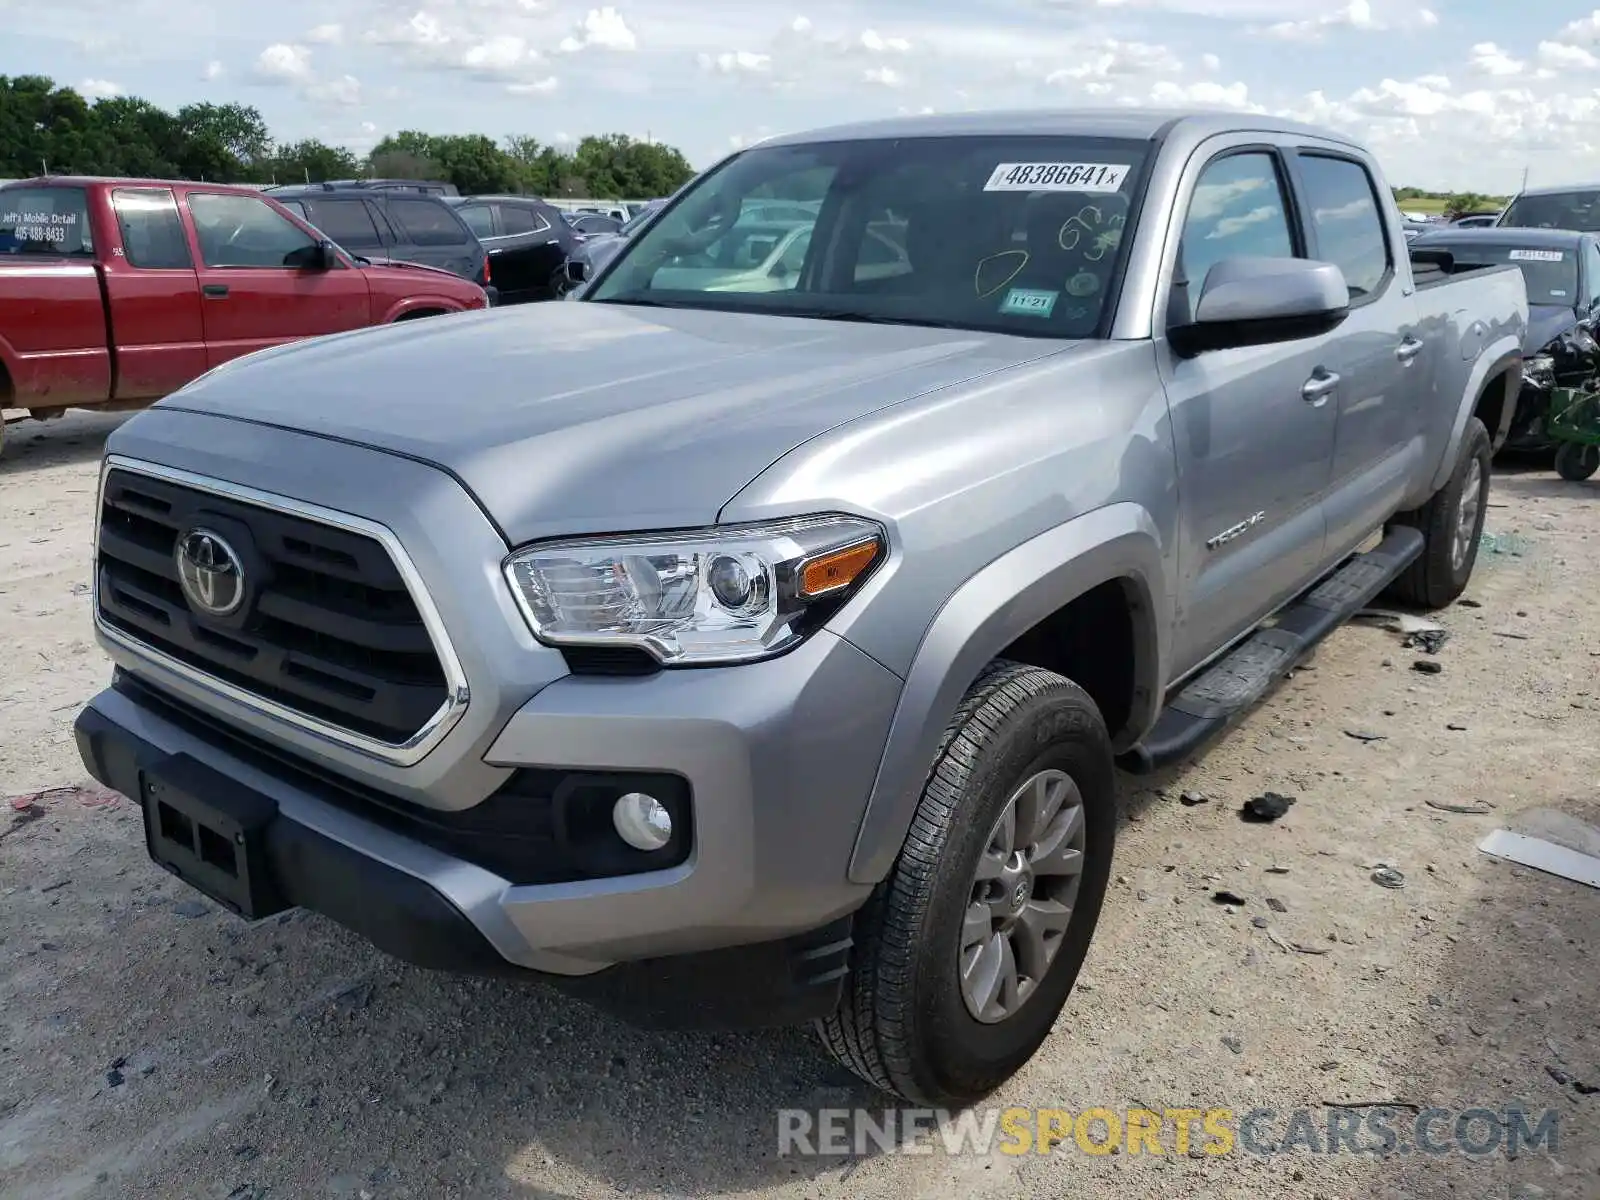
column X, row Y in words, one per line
column 1436, row 580
column 1575, row 462
column 560, row 285
column 903, row 1024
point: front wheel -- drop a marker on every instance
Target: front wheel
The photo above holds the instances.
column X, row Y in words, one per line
column 1577, row 462
column 966, row 953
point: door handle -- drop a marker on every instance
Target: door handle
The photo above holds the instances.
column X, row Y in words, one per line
column 214, row 291
column 1319, row 387
column 1408, row 349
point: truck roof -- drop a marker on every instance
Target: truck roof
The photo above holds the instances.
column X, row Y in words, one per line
column 1138, row 123
column 128, row 181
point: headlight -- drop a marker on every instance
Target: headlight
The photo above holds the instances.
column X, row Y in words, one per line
column 1541, row 368
column 720, row 595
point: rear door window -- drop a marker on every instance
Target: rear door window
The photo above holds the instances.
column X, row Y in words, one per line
column 346, row 222
column 517, row 218
column 428, row 222
column 1346, row 222
column 45, row 220
column 479, row 218
column 153, row 238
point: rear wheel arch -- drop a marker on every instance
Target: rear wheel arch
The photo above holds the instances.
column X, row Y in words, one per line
column 1496, row 406
column 1107, row 565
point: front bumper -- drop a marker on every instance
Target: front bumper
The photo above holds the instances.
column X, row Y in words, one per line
column 779, row 770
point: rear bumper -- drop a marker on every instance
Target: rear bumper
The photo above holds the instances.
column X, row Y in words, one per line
column 377, row 892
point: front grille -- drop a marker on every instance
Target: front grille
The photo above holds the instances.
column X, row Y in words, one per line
column 328, row 628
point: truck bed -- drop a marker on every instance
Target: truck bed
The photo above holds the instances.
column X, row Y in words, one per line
column 53, row 332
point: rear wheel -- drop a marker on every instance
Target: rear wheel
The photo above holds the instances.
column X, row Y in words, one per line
column 1577, row 462
column 1452, row 527
column 966, row 953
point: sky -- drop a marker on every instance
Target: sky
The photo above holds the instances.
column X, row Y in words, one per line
column 1458, row 94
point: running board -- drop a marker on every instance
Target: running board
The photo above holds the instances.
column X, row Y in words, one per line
column 1211, row 701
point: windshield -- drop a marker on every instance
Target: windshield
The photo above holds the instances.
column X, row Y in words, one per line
column 1551, row 273
column 1578, row 210
column 1011, row 234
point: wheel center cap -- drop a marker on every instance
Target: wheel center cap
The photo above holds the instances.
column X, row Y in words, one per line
column 1021, row 893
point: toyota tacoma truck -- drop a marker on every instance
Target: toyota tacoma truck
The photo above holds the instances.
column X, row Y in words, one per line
column 115, row 292
column 767, row 656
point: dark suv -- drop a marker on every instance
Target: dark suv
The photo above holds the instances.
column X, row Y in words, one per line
column 391, row 226
column 528, row 241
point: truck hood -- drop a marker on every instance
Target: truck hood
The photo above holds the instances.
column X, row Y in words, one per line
column 586, row 418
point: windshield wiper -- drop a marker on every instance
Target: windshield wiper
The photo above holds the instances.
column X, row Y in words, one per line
column 866, row 318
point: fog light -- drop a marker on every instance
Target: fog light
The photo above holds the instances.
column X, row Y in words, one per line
column 642, row 821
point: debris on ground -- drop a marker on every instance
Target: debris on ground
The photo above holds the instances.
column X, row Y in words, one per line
column 1268, row 806
column 1427, row 667
column 1365, row 735
column 1276, row 905
column 1468, row 810
column 1193, row 799
column 1386, row 876
column 1226, row 897
column 1233, row 1043
column 1416, row 633
column 1543, row 856
column 1295, row 947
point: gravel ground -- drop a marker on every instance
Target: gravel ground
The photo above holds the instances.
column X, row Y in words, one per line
column 152, row 1046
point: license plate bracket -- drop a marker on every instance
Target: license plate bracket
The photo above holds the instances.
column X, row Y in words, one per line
column 210, row 831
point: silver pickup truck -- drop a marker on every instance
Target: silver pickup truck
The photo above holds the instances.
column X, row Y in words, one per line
column 754, row 638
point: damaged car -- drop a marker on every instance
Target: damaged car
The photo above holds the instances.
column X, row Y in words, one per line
column 1562, row 271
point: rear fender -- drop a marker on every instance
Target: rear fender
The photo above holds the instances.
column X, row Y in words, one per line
column 985, row 615
column 1497, row 358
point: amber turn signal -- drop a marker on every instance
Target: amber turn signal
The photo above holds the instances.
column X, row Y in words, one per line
column 836, row 569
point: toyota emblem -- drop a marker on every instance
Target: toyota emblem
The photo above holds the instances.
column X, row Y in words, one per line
column 210, row 573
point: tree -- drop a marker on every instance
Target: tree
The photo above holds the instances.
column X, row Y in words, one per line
column 311, row 161
column 46, row 127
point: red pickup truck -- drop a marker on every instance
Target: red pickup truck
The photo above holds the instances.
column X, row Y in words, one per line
column 115, row 292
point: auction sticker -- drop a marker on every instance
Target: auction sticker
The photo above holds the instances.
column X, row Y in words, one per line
column 1057, row 177
column 1028, row 302
column 1537, row 255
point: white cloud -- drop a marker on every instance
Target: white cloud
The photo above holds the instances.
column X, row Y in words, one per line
column 214, row 71
column 345, row 90
column 497, row 55
column 1355, row 14
column 605, row 29
column 1563, row 56
column 1584, row 31
column 283, row 62
column 1203, row 93
column 884, row 77
column 1210, row 62
column 1110, row 59
column 737, row 62
column 875, row 42
column 1488, row 59
column 99, row 89
column 327, row 35
column 534, row 87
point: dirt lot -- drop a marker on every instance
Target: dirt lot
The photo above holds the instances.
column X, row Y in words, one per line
column 151, row 1046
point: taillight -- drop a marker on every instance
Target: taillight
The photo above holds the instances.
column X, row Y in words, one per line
column 485, row 270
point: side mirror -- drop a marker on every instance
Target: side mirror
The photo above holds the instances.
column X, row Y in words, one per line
column 577, row 271
column 319, row 256
column 1257, row 301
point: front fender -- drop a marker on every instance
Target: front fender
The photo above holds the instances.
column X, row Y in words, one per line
column 986, row 614
column 1500, row 356
column 425, row 303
